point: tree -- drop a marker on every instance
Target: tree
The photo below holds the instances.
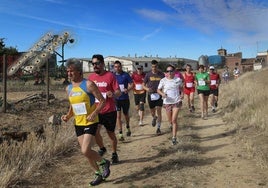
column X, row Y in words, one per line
column 7, row 50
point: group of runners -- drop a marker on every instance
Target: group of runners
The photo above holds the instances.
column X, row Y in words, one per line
column 102, row 100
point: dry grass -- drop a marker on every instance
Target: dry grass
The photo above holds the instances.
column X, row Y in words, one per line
column 245, row 104
column 22, row 161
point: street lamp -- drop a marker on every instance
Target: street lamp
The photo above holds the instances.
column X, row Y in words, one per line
column 64, row 41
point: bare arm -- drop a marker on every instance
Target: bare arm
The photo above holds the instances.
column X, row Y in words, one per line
column 70, row 113
column 92, row 88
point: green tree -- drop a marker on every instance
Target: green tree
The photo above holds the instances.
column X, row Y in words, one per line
column 7, row 50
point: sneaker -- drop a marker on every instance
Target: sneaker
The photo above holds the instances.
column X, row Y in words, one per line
column 154, row 121
column 174, row 141
column 158, row 132
column 140, row 123
column 102, row 151
column 128, row 132
column 216, row 104
column 193, row 108
column 190, row 110
column 97, row 179
column 213, row 110
column 105, row 169
column 115, row 159
column 121, row 137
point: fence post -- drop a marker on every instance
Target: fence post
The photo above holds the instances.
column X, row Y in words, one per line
column 4, row 83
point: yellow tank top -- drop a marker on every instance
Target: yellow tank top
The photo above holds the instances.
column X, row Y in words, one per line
column 83, row 104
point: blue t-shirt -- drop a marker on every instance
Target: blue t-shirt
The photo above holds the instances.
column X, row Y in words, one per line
column 123, row 80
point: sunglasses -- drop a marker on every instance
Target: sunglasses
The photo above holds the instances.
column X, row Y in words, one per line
column 170, row 71
column 96, row 63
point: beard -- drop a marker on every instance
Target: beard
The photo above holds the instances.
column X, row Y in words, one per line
column 97, row 71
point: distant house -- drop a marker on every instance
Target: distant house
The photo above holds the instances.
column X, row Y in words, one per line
column 261, row 60
column 130, row 64
column 247, row 64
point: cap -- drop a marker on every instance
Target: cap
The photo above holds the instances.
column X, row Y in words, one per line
column 211, row 67
column 139, row 67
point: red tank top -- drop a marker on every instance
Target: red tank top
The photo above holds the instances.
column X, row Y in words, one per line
column 189, row 80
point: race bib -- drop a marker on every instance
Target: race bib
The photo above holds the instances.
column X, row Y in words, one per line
column 155, row 96
column 201, row 82
column 138, row 87
column 213, row 82
column 104, row 96
column 122, row 87
column 189, row 84
column 79, row 108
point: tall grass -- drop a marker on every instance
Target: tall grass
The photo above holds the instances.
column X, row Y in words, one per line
column 21, row 160
column 245, row 104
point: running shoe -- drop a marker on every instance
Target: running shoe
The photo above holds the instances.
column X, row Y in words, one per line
column 213, row 110
column 121, row 137
column 154, row 121
column 102, row 151
column 128, row 132
column 115, row 159
column 105, row 169
column 140, row 123
column 174, row 141
column 158, row 131
column 216, row 104
column 97, row 179
column 193, row 108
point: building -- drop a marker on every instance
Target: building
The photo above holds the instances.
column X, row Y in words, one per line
column 261, row 60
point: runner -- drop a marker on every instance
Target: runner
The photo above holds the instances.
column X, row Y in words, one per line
column 122, row 102
column 189, row 87
column 236, row 73
column 226, row 76
column 155, row 101
column 169, row 88
column 139, row 92
column 82, row 94
column 215, row 81
column 202, row 81
column 108, row 86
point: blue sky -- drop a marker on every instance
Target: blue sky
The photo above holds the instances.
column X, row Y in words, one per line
column 167, row 28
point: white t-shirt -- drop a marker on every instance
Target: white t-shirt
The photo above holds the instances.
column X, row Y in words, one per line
column 171, row 87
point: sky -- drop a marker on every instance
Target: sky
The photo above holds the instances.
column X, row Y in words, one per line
column 163, row 28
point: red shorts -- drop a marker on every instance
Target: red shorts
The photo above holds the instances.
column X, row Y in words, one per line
column 187, row 91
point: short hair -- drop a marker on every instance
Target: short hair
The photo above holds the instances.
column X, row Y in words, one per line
column 169, row 65
column 201, row 66
column 154, row 62
column 188, row 65
column 98, row 57
column 76, row 63
column 118, row 62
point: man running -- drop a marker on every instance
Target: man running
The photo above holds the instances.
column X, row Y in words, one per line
column 122, row 102
column 108, row 86
column 155, row 101
column 202, row 81
column 139, row 92
column 215, row 81
column 189, row 87
column 82, row 94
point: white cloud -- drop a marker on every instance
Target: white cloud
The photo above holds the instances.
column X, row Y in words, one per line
column 151, row 34
column 242, row 20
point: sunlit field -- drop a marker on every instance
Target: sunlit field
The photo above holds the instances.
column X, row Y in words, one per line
column 243, row 104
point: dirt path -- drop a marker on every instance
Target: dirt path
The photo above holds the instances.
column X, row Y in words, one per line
column 206, row 156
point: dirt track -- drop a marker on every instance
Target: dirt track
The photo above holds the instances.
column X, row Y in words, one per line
column 207, row 155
